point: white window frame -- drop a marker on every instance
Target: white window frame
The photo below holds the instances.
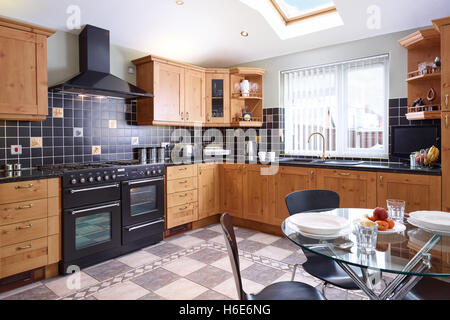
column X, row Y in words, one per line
column 341, row 134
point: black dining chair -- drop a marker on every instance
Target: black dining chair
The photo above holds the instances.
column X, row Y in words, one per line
column 317, row 266
column 287, row 290
column 429, row 289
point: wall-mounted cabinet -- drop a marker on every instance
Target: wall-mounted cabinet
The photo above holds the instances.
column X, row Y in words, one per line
column 187, row 94
column 23, row 65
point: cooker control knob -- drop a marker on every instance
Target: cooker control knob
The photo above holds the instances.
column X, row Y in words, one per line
column 159, row 171
column 73, row 181
column 91, row 179
column 148, row 172
column 82, row 180
column 114, row 177
column 106, row 178
column 99, row 179
column 153, row 172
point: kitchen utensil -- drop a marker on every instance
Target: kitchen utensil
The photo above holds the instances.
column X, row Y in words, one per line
column 271, row 156
column 366, row 237
column 17, row 167
column 251, row 147
column 8, row 167
column 262, row 156
column 153, row 155
column 142, row 155
column 396, row 210
column 319, row 223
column 161, row 155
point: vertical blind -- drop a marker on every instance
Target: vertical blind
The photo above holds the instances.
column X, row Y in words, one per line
column 347, row 102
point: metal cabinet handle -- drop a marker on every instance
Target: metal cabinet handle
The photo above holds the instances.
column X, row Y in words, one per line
column 182, row 209
column 145, row 181
column 446, row 122
column 312, row 174
column 144, row 225
column 24, row 248
column 182, row 169
column 25, row 207
column 446, row 101
column 96, row 208
column 183, row 195
column 182, row 182
column 182, row 116
column 23, row 228
column 209, row 117
column 26, row 187
column 381, row 180
column 96, row 188
column 344, row 174
column 187, row 115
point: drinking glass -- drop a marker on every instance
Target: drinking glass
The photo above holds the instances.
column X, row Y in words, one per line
column 396, row 209
column 366, row 237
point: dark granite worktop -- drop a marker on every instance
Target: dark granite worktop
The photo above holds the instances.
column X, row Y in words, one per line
column 27, row 175
column 372, row 166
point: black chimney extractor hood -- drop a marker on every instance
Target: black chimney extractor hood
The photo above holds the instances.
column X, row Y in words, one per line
column 94, row 77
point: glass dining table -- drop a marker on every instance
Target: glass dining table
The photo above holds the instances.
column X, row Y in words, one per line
column 408, row 256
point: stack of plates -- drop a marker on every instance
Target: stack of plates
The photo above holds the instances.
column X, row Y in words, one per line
column 433, row 221
column 320, row 225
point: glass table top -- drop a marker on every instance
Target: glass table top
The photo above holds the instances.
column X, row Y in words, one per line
column 393, row 252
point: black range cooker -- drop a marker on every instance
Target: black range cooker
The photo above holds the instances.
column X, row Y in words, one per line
column 109, row 209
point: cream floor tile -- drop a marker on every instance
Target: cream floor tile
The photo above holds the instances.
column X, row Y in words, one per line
column 181, row 289
column 221, row 240
column 228, row 288
column 215, row 227
column 300, row 278
column 64, row 286
column 122, row 291
column 187, row 241
column 138, row 258
column 273, row 253
column 184, row 266
column 264, row 238
column 225, row 264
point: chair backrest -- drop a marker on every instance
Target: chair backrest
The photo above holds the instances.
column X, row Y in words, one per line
column 309, row 200
column 230, row 240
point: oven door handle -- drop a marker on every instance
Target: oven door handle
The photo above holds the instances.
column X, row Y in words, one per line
column 132, row 183
column 144, row 225
column 75, row 212
column 96, row 188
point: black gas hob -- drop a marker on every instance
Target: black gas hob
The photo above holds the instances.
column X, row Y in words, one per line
column 109, row 209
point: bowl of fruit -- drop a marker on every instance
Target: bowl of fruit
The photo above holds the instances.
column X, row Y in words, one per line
column 380, row 216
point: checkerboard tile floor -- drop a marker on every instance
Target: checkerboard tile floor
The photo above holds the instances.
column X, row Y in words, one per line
column 190, row 266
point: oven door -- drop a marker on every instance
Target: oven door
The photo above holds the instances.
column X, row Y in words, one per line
column 91, row 230
column 142, row 201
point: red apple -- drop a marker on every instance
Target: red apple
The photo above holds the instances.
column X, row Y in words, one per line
column 380, row 214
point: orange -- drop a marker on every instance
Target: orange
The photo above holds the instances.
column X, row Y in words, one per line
column 391, row 223
column 382, row 225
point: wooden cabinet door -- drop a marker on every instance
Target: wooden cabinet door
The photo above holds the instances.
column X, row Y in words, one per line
column 421, row 192
column 232, row 182
column 194, row 103
column 445, row 158
column 258, row 194
column 23, row 80
column 356, row 189
column 169, row 93
column 208, row 190
column 288, row 180
column 217, row 98
column 445, row 72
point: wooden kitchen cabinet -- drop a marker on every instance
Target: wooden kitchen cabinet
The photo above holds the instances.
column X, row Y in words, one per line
column 421, row 192
column 217, row 98
column 258, row 193
column 356, row 189
column 208, row 190
column 30, row 230
column 232, row 185
column 445, row 158
column 194, row 104
column 288, row 180
column 23, row 65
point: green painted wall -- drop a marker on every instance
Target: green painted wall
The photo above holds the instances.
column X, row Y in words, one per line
column 342, row 52
column 62, row 56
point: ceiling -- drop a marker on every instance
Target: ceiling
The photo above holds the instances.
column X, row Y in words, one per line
column 207, row 32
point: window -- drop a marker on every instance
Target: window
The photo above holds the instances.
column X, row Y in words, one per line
column 295, row 10
column 346, row 102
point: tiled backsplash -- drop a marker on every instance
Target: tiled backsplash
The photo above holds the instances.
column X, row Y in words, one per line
column 79, row 130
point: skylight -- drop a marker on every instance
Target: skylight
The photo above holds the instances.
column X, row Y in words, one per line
column 295, row 10
column 294, row 18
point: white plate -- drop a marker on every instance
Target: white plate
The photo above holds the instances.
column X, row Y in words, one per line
column 433, row 220
column 419, row 225
column 341, row 233
column 319, row 223
column 398, row 228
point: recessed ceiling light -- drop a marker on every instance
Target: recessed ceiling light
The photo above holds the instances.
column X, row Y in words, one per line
column 244, row 33
column 180, row 3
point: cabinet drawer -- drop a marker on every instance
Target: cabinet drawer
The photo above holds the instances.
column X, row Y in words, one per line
column 23, row 256
column 23, row 191
column 181, row 185
column 180, row 215
column 180, row 198
column 23, row 211
column 181, row 172
column 25, row 231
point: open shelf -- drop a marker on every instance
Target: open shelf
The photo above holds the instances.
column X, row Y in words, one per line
column 429, row 76
column 421, row 113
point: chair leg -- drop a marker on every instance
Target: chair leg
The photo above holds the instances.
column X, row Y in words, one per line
column 293, row 273
column 324, row 287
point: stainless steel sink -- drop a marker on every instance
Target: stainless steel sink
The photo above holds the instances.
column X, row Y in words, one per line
column 340, row 162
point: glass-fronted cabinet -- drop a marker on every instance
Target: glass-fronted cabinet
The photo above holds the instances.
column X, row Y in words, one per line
column 217, row 98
